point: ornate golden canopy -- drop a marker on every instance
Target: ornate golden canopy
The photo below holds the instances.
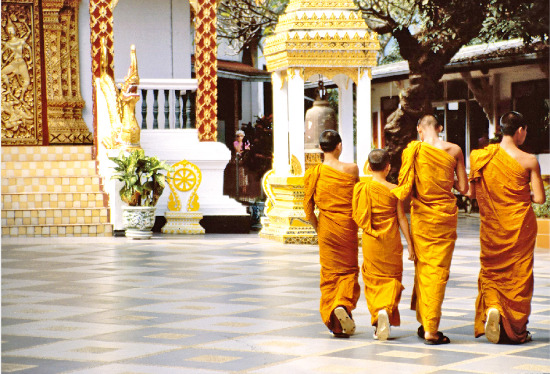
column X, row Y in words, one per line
column 326, row 37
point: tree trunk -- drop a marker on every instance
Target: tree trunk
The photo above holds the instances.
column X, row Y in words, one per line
column 414, row 101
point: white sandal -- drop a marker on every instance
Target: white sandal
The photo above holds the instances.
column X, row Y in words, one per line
column 492, row 325
column 383, row 326
column 348, row 326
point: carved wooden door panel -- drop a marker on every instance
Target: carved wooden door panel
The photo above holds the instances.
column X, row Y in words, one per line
column 22, row 83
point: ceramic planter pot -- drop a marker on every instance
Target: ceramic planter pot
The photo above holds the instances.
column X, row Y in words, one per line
column 138, row 221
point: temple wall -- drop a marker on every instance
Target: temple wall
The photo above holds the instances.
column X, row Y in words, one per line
column 507, row 77
column 161, row 32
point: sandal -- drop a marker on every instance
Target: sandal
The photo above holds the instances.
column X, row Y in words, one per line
column 347, row 323
column 492, row 325
column 383, row 326
column 420, row 332
column 441, row 339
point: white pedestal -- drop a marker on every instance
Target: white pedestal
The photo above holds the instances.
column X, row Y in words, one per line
column 211, row 157
column 182, row 223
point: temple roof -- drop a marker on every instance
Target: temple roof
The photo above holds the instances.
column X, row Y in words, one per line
column 480, row 56
column 321, row 34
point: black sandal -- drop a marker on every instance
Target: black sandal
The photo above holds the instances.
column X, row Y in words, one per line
column 420, row 332
column 441, row 339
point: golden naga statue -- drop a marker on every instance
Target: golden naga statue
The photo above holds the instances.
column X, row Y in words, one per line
column 121, row 103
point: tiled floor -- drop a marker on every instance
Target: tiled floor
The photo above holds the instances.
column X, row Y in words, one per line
column 228, row 303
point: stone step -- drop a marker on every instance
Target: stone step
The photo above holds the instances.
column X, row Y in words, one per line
column 47, row 217
column 23, row 201
column 11, row 169
column 83, row 184
column 50, row 153
column 51, row 230
column 52, row 191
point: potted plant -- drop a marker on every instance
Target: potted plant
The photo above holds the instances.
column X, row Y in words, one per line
column 542, row 211
column 143, row 185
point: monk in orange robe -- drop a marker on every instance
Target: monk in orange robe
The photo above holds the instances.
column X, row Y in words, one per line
column 380, row 214
column 428, row 171
column 500, row 175
column 329, row 186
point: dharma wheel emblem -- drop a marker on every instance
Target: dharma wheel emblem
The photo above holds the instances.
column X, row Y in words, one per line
column 184, row 179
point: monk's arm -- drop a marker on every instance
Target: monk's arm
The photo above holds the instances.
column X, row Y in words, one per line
column 461, row 184
column 537, row 186
column 471, row 191
column 404, row 225
column 309, row 202
column 313, row 220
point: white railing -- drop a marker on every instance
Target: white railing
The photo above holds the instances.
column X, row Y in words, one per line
column 166, row 103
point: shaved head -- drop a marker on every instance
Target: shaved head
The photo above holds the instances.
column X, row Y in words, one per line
column 428, row 120
column 378, row 159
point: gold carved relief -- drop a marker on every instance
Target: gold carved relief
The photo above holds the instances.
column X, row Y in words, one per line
column 61, row 52
column 333, row 34
column 101, row 28
column 320, row 4
column 21, row 74
column 330, row 73
column 289, row 22
column 295, row 166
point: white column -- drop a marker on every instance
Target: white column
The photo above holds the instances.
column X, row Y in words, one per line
column 364, row 118
column 380, row 129
column 494, row 122
column 345, row 116
column 280, row 124
column 247, row 99
column 257, row 103
column 296, row 115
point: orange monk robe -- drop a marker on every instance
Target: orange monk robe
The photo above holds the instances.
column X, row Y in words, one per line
column 429, row 173
column 332, row 190
column 507, row 234
column 375, row 211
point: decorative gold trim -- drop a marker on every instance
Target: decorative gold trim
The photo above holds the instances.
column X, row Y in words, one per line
column 22, row 64
column 297, row 42
column 101, row 27
column 313, row 159
column 288, row 22
column 206, row 68
column 319, row 4
column 362, row 71
column 331, row 72
column 295, row 166
column 317, row 42
column 285, row 220
column 290, row 73
column 174, row 202
column 325, row 59
column 185, row 177
column 266, row 186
